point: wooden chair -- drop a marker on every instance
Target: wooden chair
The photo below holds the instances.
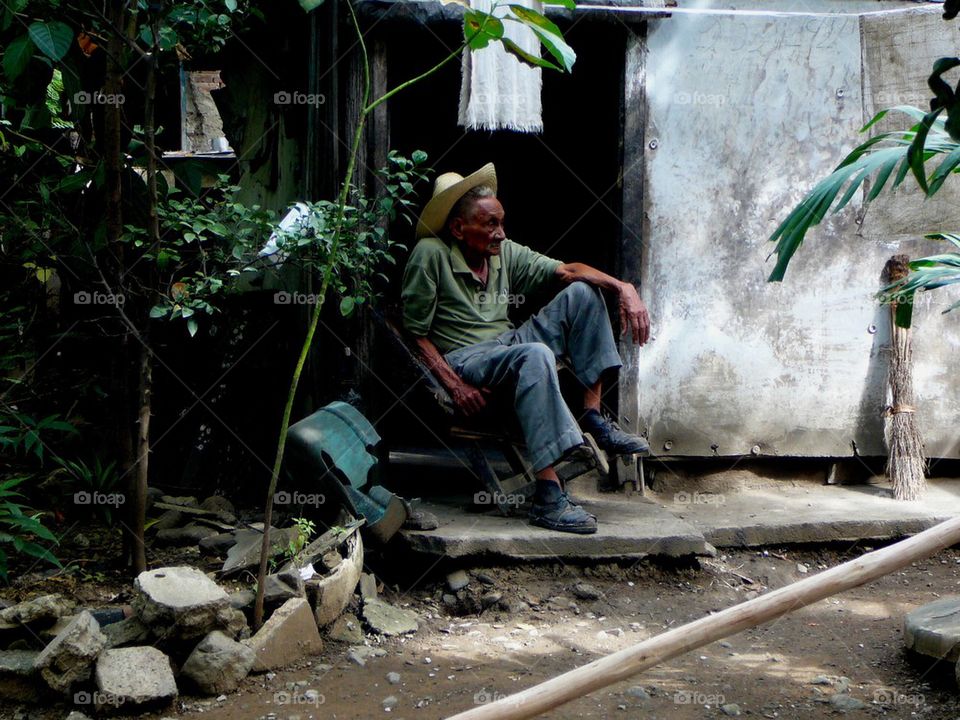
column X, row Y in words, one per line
column 497, row 429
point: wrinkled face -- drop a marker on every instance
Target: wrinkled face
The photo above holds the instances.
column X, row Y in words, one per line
column 481, row 231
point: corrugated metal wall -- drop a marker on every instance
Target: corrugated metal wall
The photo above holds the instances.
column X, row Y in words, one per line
column 744, row 115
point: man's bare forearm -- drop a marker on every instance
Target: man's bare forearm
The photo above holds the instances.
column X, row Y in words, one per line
column 572, row 272
column 468, row 399
column 436, row 362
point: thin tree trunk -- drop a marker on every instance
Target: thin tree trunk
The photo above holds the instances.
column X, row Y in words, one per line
column 138, row 509
column 139, row 504
column 112, row 153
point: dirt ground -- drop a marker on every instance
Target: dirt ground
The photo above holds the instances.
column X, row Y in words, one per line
column 787, row 669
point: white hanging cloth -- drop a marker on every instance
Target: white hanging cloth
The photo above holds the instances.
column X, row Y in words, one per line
column 498, row 92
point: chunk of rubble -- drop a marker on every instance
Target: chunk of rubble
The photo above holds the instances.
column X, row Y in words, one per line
column 218, row 504
column 190, row 534
column 934, row 629
column 19, row 680
column 288, row 636
column 219, row 543
column 129, row 631
column 184, row 500
column 359, row 654
column 346, row 628
column 281, row 586
column 69, row 657
column 245, row 551
column 457, row 580
column 387, row 619
column 169, row 519
column 368, row 586
column 44, row 608
column 218, row 664
column 183, row 603
column 128, row 678
column 196, row 512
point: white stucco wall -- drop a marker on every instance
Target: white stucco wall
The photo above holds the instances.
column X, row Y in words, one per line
column 745, row 114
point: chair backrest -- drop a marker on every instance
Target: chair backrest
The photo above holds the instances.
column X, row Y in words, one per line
column 401, row 342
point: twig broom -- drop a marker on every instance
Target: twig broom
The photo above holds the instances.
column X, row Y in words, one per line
column 906, row 464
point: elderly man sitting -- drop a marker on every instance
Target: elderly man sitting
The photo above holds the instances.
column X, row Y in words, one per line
column 457, row 288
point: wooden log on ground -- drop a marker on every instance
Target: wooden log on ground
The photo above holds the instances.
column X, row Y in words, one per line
column 632, row 660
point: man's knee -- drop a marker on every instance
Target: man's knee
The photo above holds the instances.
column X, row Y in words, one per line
column 535, row 365
column 536, row 353
column 581, row 292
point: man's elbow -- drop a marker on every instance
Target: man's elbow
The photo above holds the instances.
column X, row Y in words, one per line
column 566, row 273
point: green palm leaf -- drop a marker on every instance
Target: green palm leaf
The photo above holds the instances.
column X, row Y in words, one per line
column 888, row 154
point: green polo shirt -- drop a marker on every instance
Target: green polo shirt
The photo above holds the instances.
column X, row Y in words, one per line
column 445, row 302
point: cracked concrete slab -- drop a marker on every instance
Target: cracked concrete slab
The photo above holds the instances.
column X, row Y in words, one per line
column 629, row 527
column 692, row 522
column 812, row 512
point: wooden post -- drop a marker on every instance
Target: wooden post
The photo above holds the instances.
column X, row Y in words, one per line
column 632, row 173
column 630, row 661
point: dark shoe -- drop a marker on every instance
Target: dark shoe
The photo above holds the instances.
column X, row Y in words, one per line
column 610, row 437
column 564, row 516
column 418, row 519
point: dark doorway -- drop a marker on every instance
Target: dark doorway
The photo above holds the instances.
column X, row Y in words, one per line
column 560, row 188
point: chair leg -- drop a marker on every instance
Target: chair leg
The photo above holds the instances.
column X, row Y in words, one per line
column 626, row 475
column 524, row 482
column 488, row 476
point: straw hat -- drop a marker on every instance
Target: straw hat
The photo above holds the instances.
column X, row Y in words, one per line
column 447, row 189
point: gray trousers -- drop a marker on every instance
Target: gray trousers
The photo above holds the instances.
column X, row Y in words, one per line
column 574, row 325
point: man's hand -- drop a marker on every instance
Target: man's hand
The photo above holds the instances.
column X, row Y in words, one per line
column 633, row 314
column 471, row 400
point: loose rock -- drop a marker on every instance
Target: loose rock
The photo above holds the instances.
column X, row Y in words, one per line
column 289, row 635
column 43, row 608
column 218, row 664
column 457, row 580
column 386, row 619
column 245, row 552
column 189, row 535
column 368, row 586
column 393, row 678
column 283, row 585
column 490, row 598
column 843, row 701
column 168, row 520
column 69, row 657
column 183, row 603
column 934, row 629
column 731, row 709
column 19, row 681
column 242, row 598
column 346, row 628
column 359, row 654
column 218, row 504
column 184, row 500
column 129, row 631
column 134, row 676
column 585, row 591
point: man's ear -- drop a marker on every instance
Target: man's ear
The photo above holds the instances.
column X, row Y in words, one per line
column 456, row 228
